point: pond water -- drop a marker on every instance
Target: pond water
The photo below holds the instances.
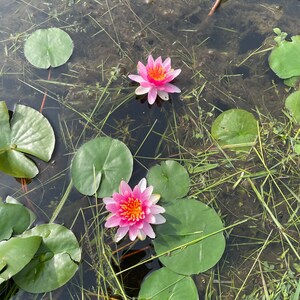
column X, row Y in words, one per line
column 224, row 66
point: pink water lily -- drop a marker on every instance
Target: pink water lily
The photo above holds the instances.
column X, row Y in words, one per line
column 133, row 211
column 155, row 78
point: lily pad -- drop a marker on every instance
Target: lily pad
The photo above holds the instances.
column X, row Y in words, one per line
column 55, row 262
column 48, row 47
column 167, row 285
column 15, row 254
column 292, row 103
column 99, row 166
column 284, row 59
column 170, row 180
column 235, row 128
column 14, row 218
column 27, row 132
column 197, row 230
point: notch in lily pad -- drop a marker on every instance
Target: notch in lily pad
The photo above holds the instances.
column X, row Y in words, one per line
column 50, row 47
column 27, row 132
column 169, row 179
column 191, row 240
column 99, row 166
column 235, row 129
column 165, row 284
column 54, row 263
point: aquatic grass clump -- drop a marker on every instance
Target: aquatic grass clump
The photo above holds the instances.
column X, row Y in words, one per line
column 155, row 78
column 133, row 211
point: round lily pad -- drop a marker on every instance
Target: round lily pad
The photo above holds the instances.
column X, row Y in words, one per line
column 292, row 103
column 191, row 240
column 99, row 166
column 55, row 262
column 284, row 59
column 170, row 180
column 14, row 218
column 29, row 132
column 236, row 128
column 167, row 285
column 15, row 254
column 48, row 47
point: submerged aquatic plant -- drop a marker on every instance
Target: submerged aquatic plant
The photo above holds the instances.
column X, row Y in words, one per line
column 155, row 78
column 133, row 211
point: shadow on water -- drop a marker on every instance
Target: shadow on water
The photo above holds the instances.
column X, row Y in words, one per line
column 117, row 34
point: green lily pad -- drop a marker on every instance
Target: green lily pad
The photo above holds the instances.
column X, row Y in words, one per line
column 170, row 180
column 167, row 285
column 292, row 103
column 15, row 254
column 14, row 219
column 292, row 82
column 48, row 47
column 55, row 262
column 99, row 166
column 235, row 128
column 197, row 230
column 284, row 59
column 27, row 132
column 32, row 215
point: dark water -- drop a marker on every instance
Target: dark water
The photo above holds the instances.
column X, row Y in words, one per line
column 117, row 34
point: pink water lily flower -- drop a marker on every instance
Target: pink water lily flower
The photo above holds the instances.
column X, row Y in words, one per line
column 155, row 78
column 133, row 211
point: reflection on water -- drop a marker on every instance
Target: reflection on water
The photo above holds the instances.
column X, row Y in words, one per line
column 115, row 35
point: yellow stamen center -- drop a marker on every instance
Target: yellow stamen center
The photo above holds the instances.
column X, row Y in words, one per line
column 157, row 73
column 131, row 209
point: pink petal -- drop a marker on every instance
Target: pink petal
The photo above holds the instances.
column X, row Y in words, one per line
column 142, row 90
column 118, row 197
column 112, row 207
column 154, row 198
column 159, row 219
column 137, row 192
column 163, row 95
column 141, row 235
column 136, row 78
column 142, row 70
column 157, row 209
column 133, row 231
column 146, row 84
column 158, row 61
column 167, row 64
column 174, row 73
column 125, row 189
column 150, row 63
column 112, row 221
column 108, row 200
column 152, row 94
column 147, row 193
column 148, row 230
column 121, row 232
column 150, row 219
column 142, row 184
column 169, row 88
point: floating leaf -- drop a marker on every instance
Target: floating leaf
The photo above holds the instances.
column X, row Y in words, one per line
column 197, row 230
column 167, row 285
column 55, row 262
column 48, row 47
column 15, row 254
column 236, row 128
column 99, row 166
column 14, row 218
column 292, row 103
column 284, row 59
column 28, row 132
column 169, row 179
column 292, row 82
column 32, row 215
